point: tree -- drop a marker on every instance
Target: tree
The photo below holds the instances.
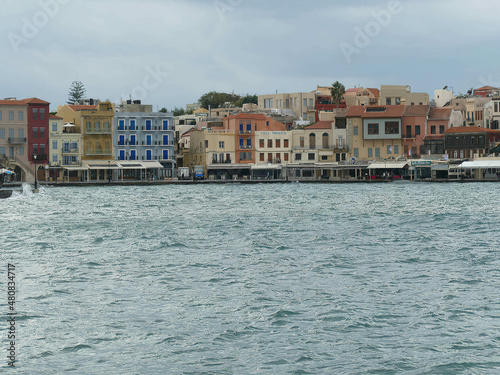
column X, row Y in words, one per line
column 217, row 99
column 76, row 92
column 338, row 91
column 163, row 110
column 179, row 111
column 254, row 99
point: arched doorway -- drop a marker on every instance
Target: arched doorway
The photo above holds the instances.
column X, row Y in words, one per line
column 18, row 174
column 312, row 141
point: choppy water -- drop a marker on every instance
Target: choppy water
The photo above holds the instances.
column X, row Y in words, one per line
column 263, row 279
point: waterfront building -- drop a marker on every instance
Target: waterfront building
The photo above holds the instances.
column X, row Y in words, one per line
column 375, row 132
column 65, row 150
column 401, row 95
column 14, row 140
column 273, row 152
column 443, row 97
column 361, row 96
column 470, row 142
column 487, row 91
column 438, row 121
column 38, row 133
column 415, row 130
column 475, row 111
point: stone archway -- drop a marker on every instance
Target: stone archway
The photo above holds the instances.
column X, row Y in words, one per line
column 18, row 173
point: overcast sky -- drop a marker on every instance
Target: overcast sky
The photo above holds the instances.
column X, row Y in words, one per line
column 169, row 53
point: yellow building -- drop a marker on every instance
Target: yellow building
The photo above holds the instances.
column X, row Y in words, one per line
column 375, row 131
column 95, row 123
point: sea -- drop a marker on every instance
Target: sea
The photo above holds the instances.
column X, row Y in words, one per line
column 389, row 278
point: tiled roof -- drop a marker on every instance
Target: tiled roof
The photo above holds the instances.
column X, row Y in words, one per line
column 440, row 113
column 417, row 110
column 35, row 101
column 486, row 88
column 81, row 107
column 350, row 91
column 320, row 125
column 388, row 111
column 375, row 92
column 54, row 117
column 12, row 102
column 471, row 129
column 434, row 137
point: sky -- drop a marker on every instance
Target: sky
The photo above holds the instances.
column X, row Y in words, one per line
column 169, row 53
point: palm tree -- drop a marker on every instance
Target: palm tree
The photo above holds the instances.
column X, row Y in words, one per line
column 338, row 91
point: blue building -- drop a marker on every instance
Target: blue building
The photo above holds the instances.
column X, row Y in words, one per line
column 148, row 138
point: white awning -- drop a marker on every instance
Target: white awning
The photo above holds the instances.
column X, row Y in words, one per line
column 75, row 168
column 480, row 164
column 229, row 166
column 151, row 165
column 440, row 167
column 100, row 164
column 130, row 165
column 388, row 165
column 266, row 166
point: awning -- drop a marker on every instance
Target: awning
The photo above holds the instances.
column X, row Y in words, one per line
column 440, row 167
column 266, row 166
column 130, row 165
column 481, row 164
column 151, row 165
column 388, row 165
column 100, row 164
column 75, row 168
column 229, row 166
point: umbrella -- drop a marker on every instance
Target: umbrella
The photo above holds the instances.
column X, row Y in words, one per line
column 3, row 170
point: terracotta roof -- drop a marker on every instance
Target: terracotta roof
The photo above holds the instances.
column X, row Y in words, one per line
column 35, row 101
column 186, row 134
column 375, row 92
column 486, row 88
column 81, row 107
column 440, row 113
column 12, row 102
column 471, row 129
column 321, row 125
column 386, row 111
column 246, row 116
column 54, row 117
column 348, row 91
column 417, row 110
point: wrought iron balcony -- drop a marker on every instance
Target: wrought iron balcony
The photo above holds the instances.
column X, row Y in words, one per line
column 17, row 140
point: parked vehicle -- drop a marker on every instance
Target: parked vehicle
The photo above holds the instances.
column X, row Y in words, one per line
column 198, row 172
column 183, row 173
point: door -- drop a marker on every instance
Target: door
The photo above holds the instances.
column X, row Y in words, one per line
column 149, row 155
column 122, row 154
column 148, row 140
column 133, row 140
column 165, row 154
column 132, row 155
column 165, row 140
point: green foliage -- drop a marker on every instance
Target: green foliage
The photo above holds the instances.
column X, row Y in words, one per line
column 338, row 91
column 76, row 92
column 163, row 110
column 254, row 99
column 179, row 111
column 217, row 99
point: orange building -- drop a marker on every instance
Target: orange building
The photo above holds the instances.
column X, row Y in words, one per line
column 414, row 129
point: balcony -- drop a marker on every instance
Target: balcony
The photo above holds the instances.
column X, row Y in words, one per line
column 73, row 163
column 248, row 147
column 17, row 140
column 99, row 152
column 70, row 151
column 245, row 132
column 228, row 161
column 99, row 131
column 39, row 157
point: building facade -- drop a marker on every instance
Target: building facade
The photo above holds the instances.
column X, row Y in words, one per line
column 401, row 95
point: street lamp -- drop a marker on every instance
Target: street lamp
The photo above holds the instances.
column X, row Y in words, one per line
column 36, row 172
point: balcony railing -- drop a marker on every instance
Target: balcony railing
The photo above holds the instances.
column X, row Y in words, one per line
column 245, row 132
column 99, row 152
column 70, row 151
column 100, row 131
column 228, row 161
column 17, row 140
column 246, row 147
column 39, row 157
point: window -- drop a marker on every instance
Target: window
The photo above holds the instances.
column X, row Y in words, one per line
column 356, row 152
column 398, row 101
column 261, row 143
column 148, row 124
column 121, row 140
column 305, row 102
column 396, row 149
column 2, row 134
column 148, row 140
column 269, row 158
column 241, row 127
column 206, row 143
column 54, row 158
column 267, row 123
column 20, row 115
column 165, row 155
column 121, row 124
column 285, row 143
column 417, row 129
column 249, row 142
column 42, row 113
column 441, row 129
column 311, row 103
column 11, row 115
column 249, row 127
column 295, row 101
column 42, row 132
column 132, row 124
column 1, row 117
column 298, row 156
column 221, row 144
column 286, row 157
column 97, row 126
column 133, row 141
column 301, row 141
column 433, row 129
column 2, row 150
column 372, row 128
column 355, row 130
column 261, row 156
column 377, row 152
column 324, row 157
column 408, row 131
column 269, row 143
column 35, row 149
column 241, row 142
column 389, row 149
column 278, row 143
column 133, row 154
column 388, row 101
column 287, row 103
column 392, row 127
column 312, row 141
column 35, row 113
column 54, row 145
column 35, row 132
column 370, row 152
column 496, row 106
column 121, row 155
column 54, row 126
column 311, row 156
column 165, row 124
